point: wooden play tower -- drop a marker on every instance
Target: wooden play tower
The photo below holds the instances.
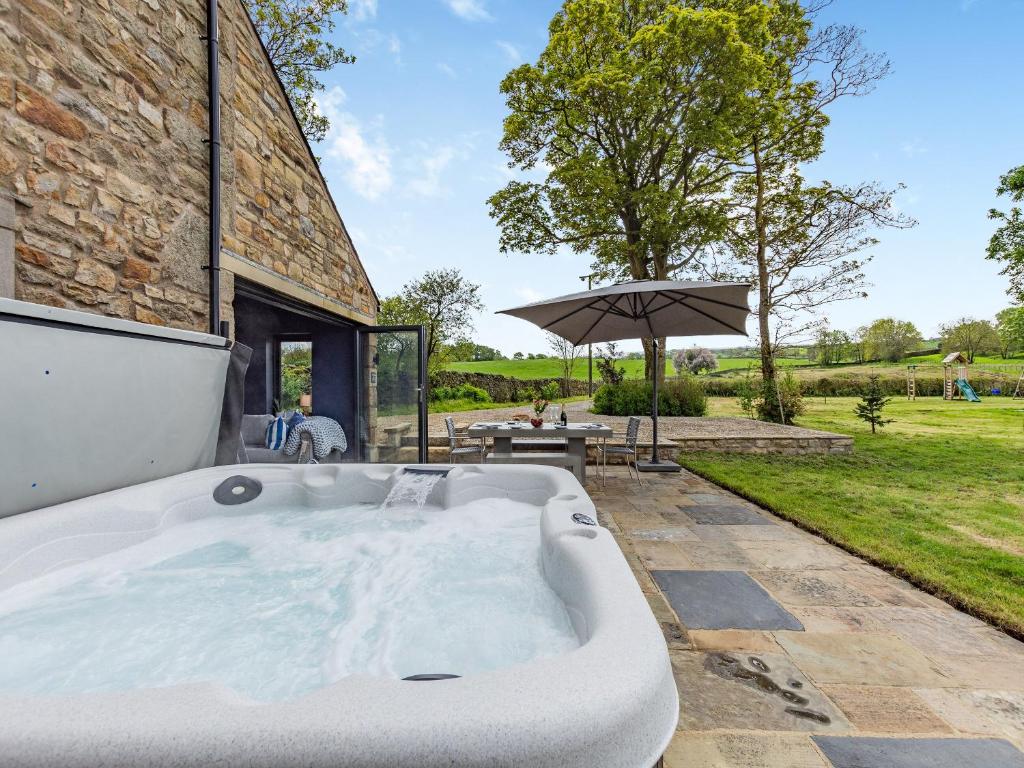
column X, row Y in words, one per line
column 954, row 371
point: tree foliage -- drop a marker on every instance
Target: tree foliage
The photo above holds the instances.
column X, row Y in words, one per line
column 890, row 339
column 1007, row 244
column 970, row 336
column 294, row 32
column 632, row 113
column 607, row 365
column 830, row 346
column 1010, row 328
column 694, row 360
column 443, row 302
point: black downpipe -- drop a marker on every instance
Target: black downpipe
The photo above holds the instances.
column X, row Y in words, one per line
column 213, row 94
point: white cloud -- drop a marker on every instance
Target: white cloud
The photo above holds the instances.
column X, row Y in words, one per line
column 913, row 148
column 510, row 51
column 428, row 183
column 528, row 294
column 371, row 39
column 361, row 10
column 447, row 70
column 366, row 161
column 470, row 10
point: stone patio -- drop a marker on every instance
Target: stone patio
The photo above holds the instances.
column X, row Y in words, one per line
column 881, row 675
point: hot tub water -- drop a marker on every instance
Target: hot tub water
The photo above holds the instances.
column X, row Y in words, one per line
column 281, row 602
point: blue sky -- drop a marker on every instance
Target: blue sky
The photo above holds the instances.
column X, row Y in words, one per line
column 412, row 155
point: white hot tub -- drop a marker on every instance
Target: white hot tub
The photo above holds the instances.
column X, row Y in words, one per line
column 157, row 626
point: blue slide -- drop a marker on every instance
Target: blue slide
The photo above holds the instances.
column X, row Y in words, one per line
column 967, row 391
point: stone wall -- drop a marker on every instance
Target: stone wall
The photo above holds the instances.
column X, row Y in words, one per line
column 503, row 389
column 103, row 117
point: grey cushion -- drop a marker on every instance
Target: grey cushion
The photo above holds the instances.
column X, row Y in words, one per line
column 267, row 456
column 254, row 430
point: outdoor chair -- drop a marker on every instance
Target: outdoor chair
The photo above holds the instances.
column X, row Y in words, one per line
column 454, row 449
column 628, row 451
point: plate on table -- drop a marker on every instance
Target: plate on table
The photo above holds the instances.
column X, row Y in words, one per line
column 559, row 426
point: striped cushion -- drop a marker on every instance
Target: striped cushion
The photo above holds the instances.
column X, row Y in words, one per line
column 277, row 431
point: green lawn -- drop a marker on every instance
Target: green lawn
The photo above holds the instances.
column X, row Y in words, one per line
column 937, row 496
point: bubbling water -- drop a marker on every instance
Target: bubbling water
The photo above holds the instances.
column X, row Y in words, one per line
column 281, row 602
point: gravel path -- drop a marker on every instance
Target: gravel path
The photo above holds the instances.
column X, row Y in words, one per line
column 669, row 427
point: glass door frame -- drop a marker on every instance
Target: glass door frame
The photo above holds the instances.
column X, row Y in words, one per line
column 421, row 387
column 275, row 366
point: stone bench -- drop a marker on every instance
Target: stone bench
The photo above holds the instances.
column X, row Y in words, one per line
column 549, row 458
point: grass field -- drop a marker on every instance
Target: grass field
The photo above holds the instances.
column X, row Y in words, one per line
column 735, row 366
column 937, row 496
column 552, row 369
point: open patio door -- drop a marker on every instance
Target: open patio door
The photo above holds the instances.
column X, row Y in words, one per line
column 391, row 366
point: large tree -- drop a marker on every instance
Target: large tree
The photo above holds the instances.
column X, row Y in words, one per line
column 970, row 336
column 1010, row 328
column 293, row 32
column 632, row 112
column 800, row 244
column 890, row 339
column 1007, row 244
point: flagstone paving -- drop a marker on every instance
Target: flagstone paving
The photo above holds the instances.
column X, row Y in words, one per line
column 881, row 675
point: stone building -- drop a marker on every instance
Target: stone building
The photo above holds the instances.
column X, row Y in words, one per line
column 104, row 186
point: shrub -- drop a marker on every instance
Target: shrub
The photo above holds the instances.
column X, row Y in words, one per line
column 785, row 395
column 460, row 392
column 502, row 389
column 678, row 397
column 549, row 391
column 746, row 393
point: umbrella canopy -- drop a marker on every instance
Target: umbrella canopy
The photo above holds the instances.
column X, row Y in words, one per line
column 641, row 309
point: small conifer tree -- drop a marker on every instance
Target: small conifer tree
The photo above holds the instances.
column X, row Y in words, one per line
column 871, row 404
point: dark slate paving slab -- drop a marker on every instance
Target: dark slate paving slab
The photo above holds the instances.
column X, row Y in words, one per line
column 869, row 752
column 722, row 600
column 725, row 514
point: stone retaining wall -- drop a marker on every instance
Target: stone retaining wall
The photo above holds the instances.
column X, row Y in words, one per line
column 790, row 446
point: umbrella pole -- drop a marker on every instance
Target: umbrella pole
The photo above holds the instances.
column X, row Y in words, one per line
column 654, row 402
column 656, row 464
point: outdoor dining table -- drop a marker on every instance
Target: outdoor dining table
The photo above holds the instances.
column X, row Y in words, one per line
column 575, row 436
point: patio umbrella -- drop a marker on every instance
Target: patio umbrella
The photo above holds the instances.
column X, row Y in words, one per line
column 641, row 309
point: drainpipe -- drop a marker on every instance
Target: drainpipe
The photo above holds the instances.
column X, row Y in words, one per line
column 213, row 94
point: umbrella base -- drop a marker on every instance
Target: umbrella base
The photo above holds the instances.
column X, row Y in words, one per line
column 661, row 466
